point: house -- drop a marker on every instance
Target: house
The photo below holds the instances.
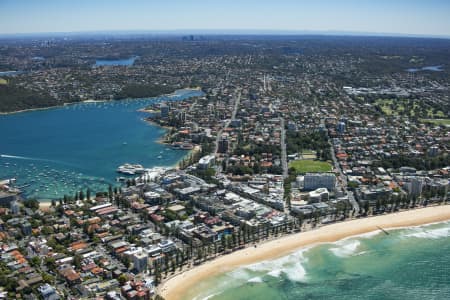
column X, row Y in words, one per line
column 177, row 209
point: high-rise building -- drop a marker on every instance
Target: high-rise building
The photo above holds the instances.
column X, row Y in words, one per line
column 182, row 116
column 26, row 228
column 433, row 151
column 140, row 260
column 415, row 186
column 223, row 145
column 164, row 110
column 341, row 127
column 314, row 181
column 14, row 207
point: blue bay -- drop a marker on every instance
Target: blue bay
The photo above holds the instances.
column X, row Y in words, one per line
column 63, row 150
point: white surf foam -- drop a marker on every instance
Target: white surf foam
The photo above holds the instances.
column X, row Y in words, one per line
column 275, row 273
column 255, row 280
column 345, row 248
column 239, row 274
column 424, row 233
column 368, row 235
column 206, row 297
column 291, row 266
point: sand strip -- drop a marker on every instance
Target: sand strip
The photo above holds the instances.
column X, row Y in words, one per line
column 175, row 287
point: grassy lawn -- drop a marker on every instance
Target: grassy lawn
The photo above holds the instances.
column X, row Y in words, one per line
column 3, row 81
column 437, row 121
column 385, row 105
column 313, row 166
column 390, row 108
column 308, row 151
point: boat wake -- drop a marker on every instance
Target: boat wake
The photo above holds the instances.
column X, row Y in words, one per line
column 17, row 157
column 33, row 158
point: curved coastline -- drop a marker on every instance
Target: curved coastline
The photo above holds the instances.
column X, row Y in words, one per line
column 95, row 181
column 174, row 93
column 175, row 287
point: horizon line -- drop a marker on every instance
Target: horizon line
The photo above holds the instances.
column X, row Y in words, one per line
column 175, row 32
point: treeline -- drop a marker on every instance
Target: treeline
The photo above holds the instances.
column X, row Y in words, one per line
column 143, row 90
column 13, row 98
column 255, row 169
column 420, row 163
column 256, row 149
column 296, row 142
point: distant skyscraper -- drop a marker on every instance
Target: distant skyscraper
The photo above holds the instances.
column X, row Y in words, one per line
column 26, row 228
column 182, row 116
column 433, row 151
column 164, row 110
column 223, row 145
column 341, row 127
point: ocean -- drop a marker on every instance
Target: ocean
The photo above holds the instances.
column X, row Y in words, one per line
column 411, row 263
column 63, row 150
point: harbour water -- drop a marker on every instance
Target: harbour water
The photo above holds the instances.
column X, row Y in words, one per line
column 10, row 73
column 116, row 62
column 427, row 68
column 411, row 263
column 67, row 149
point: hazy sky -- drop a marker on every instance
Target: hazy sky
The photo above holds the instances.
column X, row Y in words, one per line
column 428, row 17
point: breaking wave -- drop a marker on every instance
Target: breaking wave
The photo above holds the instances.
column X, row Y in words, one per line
column 345, row 248
column 292, row 266
column 424, row 233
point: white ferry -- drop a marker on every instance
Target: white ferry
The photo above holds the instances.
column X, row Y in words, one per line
column 131, row 169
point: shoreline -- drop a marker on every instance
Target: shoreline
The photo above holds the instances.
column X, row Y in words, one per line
column 197, row 148
column 174, row 288
column 93, row 101
column 52, row 107
column 38, row 108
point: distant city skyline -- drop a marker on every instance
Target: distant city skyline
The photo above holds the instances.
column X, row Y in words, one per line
column 395, row 17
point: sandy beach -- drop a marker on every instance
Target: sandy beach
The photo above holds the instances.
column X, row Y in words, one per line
column 45, row 206
column 174, row 288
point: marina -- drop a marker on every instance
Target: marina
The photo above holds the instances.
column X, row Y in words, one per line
column 101, row 136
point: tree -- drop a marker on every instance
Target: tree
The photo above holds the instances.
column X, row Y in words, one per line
column 366, row 207
column 199, row 253
column 126, row 261
column 50, row 263
column 157, row 274
column 223, row 242
column 35, row 261
column 122, row 279
column 88, row 194
column 77, row 261
column 31, row 203
column 177, row 258
column 172, row 266
column 110, row 193
column 47, row 278
column 8, row 283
